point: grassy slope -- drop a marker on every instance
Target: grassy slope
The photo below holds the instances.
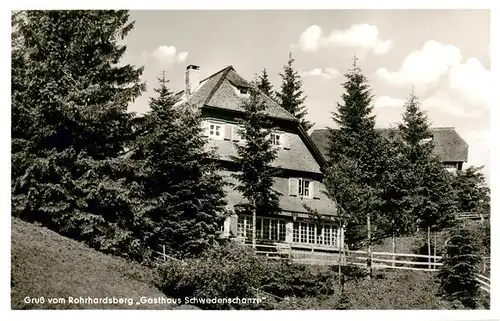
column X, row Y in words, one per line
column 46, row 264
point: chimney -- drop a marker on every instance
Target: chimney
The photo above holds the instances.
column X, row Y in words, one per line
column 192, row 79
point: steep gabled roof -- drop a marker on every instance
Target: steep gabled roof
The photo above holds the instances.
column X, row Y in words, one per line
column 220, row 90
column 449, row 146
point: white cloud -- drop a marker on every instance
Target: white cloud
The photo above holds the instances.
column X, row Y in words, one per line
column 424, row 66
column 479, row 149
column 310, row 39
column 465, row 88
column 363, row 36
column 472, row 81
column 327, row 73
column 182, row 56
column 386, row 101
column 167, row 55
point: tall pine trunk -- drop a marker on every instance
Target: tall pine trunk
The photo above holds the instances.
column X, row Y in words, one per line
column 254, row 225
column 393, row 245
column 340, row 257
column 369, row 252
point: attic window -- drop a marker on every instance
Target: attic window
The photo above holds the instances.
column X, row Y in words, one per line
column 426, row 140
column 243, row 90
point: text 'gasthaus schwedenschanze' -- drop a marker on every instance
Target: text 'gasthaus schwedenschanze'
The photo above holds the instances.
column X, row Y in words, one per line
column 87, row 300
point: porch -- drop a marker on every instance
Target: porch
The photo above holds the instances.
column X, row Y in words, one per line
column 298, row 238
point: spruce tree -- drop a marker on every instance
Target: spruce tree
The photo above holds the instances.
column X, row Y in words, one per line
column 264, row 84
column 70, row 124
column 434, row 205
column 255, row 157
column 291, row 97
column 460, row 265
column 472, row 193
column 357, row 142
column 183, row 201
column 406, row 146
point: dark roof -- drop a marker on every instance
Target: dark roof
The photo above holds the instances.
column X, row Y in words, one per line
column 218, row 90
column 449, row 146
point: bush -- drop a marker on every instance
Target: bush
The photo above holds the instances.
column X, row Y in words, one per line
column 460, row 265
column 232, row 270
column 402, row 290
column 286, row 280
column 229, row 271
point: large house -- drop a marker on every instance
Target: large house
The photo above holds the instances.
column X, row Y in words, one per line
column 220, row 97
column 451, row 149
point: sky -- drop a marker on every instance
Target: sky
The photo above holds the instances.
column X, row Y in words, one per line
column 443, row 55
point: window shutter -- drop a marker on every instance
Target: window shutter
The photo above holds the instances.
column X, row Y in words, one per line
column 227, row 132
column 236, row 133
column 205, row 125
column 233, row 225
column 293, row 186
column 286, row 141
column 316, row 191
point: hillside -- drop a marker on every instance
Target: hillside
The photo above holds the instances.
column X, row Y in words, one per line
column 48, row 265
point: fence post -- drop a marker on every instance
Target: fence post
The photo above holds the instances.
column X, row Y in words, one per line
column 429, row 245
column 435, row 252
column 164, row 254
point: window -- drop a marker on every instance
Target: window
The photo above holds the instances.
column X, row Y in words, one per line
column 304, row 187
column 312, row 233
column 276, row 139
column 215, row 130
column 243, row 90
column 266, row 228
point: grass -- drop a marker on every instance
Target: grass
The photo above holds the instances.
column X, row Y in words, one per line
column 48, row 265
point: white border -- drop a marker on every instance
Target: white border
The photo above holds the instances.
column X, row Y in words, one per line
column 256, row 4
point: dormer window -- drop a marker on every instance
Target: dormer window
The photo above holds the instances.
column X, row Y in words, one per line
column 426, row 140
column 276, row 139
column 243, row 90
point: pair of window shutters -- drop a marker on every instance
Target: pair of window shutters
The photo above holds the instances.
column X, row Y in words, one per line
column 293, row 188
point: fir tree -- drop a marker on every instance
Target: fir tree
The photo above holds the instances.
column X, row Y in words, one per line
column 264, row 84
column 291, row 97
column 472, row 193
column 431, row 183
column 402, row 178
column 182, row 194
column 460, row 265
column 70, row 124
column 255, row 158
column 356, row 143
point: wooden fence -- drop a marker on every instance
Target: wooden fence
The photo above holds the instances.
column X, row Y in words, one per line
column 402, row 261
column 472, row 216
column 380, row 260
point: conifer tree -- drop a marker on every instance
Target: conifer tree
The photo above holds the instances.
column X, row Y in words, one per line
column 183, row 201
column 291, row 97
column 356, row 143
column 405, row 146
column 430, row 187
column 460, row 265
column 264, row 84
column 70, row 124
column 473, row 194
column 255, row 157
